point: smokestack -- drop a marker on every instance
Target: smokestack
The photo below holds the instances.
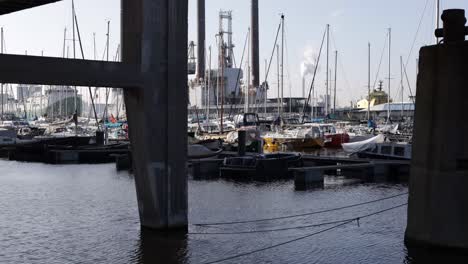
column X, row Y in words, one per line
column 255, row 45
column 201, row 40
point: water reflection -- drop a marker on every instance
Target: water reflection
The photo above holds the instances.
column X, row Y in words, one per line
column 88, row 214
column 421, row 255
column 161, row 247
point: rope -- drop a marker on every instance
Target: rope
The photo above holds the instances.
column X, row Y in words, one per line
column 417, row 32
column 300, row 238
column 299, row 215
column 380, row 63
column 340, row 61
column 313, row 78
column 412, row 45
column 297, row 227
column 238, row 74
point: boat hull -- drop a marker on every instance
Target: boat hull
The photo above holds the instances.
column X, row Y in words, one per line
column 336, row 140
column 272, row 145
column 263, row 167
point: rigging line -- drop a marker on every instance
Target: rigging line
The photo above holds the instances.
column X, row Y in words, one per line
column 295, row 227
column 300, row 238
column 380, row 63
column 409, row 85
column 288, row 70
column 417, row 31
column 217, row 78
column 267, row 73
column 315, row 74
column 340, row 61
column 414, row 42
column 272, row 52
column 433, row 18
column 304, row 214
column 83, row 57
column 239, row 72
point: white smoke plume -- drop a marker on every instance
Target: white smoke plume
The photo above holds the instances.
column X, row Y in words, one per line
column 309, row 62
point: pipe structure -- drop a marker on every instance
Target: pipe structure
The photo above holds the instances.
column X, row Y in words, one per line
column 255, row 45
column 201, row 39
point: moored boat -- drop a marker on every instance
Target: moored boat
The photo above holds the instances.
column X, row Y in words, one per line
column 297, row 139
column 335, row 138
column 261, row 167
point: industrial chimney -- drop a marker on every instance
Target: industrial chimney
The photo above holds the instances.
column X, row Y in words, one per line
column 201, row 40
column 255, row 45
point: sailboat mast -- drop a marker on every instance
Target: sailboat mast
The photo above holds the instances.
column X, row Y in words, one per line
column 437, row 19
column 265, row 90
column 369, row 82
column 74, row 54
column 208, row 102
column 282, row 63
column 61, row 91
column 278, row 77
column 107, row 59
column 247, row 86
column 326, row 70
column 402, row 87
column 334, row 88
column 73, row 26
column 389, row 71
column 3, row 100
column 223, row 56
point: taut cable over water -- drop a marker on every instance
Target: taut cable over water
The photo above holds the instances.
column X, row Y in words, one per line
column 298, row 227
column 304, row 237
column 304, row 214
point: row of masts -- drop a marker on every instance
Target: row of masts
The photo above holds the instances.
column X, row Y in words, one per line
column 63, row 91
column 327, row 109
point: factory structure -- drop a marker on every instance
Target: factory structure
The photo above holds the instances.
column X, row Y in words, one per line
column 229, row 86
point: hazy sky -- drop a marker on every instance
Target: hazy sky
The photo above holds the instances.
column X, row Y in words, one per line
column 354, row 23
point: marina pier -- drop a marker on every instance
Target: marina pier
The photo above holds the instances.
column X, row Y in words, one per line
column 148, row 131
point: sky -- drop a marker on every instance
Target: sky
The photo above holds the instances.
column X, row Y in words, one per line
column 354, row 23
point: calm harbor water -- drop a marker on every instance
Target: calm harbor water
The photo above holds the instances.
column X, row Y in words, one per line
column 88, row 214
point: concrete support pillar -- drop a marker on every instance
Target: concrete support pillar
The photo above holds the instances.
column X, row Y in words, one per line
column 438, row 200
column 154, row 32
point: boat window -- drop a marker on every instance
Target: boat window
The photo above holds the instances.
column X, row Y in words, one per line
column 399, row 151
column 386, row 150
column 250, row 118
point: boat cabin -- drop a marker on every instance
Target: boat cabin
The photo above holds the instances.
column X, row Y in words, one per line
column 246, row 119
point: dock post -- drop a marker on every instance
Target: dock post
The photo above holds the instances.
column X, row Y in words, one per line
column 438, row 200
column 242, row 137
column 305, row 179
column 154, row 36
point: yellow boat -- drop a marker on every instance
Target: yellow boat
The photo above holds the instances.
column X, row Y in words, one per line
column 275, row 144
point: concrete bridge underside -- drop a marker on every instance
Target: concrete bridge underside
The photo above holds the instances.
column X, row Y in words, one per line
column 153, row 73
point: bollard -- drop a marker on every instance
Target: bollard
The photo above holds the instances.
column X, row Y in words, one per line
column 99, row 138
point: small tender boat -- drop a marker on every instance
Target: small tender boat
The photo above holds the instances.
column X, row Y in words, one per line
column 388, row 150
column 334, row 138
column 261, row 167
column 356, row 147
column 7, row 136
column 201, row 152
column 378, row 148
